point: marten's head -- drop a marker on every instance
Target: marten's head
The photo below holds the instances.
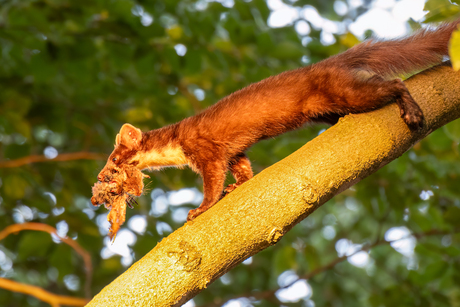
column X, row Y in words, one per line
column 127, row 144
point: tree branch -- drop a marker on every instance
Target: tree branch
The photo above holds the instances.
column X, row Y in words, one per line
column 15, row 228
column 258, row 213
column 45, row 296
column 82, row 155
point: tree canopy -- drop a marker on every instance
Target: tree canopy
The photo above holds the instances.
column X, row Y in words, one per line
column 73, row 72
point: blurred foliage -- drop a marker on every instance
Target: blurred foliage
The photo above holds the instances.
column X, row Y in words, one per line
column 73, row 72
column 454, row 49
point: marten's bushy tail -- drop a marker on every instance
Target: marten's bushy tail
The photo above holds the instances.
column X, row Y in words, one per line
column 423, row 49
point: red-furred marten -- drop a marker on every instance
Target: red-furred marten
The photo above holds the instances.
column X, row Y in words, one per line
column 214, row 141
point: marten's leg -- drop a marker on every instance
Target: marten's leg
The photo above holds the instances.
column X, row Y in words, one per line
column 213, row 181
column 348, row 93
column 409, row 109
column 241, row 170
column 376, row 92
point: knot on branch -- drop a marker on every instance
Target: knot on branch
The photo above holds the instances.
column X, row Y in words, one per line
column 275, row 235
column 309, row 195
column 187, row 255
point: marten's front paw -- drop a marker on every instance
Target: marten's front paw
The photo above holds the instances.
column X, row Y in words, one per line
column 192, row 214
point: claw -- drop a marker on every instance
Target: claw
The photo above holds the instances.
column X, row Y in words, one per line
column 131, row 201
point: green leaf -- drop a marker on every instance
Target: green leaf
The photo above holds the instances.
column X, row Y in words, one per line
column 265, row 42
column 454, row 49
column 287, row 50
column 34, row 244
column 285, row 259
column 452, row 215
column 175, row 32
column 15, row 186
column 452, row 130
column 434, row 271
column 439, row 140
column 61, row 259
column 138, row 114
column 439, row 10
column 193, row 61
column 349, row 40
column 313, row 257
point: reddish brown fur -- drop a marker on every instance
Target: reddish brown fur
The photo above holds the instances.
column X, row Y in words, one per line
column 355, row 81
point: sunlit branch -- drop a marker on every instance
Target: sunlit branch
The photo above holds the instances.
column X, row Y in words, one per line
column 51, row 230
column 82, row 155
column 366, row 248
column 43, row 295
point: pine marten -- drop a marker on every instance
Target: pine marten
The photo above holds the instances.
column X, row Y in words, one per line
column 213, row 142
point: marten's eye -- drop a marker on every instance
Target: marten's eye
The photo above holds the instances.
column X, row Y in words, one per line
column 114, row 159
column 114, row 171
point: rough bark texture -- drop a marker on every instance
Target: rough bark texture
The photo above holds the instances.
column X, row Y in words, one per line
column 261, row 211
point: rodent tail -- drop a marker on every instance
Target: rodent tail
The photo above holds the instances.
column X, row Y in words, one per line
column 423, row 49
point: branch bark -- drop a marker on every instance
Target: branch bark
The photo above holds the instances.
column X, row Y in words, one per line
column 260, row 212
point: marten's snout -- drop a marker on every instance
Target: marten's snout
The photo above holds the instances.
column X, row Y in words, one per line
column 100, row 177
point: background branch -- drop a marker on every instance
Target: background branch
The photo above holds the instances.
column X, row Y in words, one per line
column 330, row 265
column 45, row 296
column 82, row 155
column 12, row 229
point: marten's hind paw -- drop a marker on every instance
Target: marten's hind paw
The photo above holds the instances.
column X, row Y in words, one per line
column 412, row 116
column 192, row 214
column 230, row 188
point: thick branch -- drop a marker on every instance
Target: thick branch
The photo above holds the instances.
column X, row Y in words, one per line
column 82, row 155
column 261, row 211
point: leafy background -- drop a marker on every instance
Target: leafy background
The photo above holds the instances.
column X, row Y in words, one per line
column 71, row 73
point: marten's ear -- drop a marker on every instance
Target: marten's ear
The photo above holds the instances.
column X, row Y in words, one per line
column 117, row 140
column 129, row 136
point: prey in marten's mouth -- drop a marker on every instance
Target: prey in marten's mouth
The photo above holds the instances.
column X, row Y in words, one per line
column 116, row 191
